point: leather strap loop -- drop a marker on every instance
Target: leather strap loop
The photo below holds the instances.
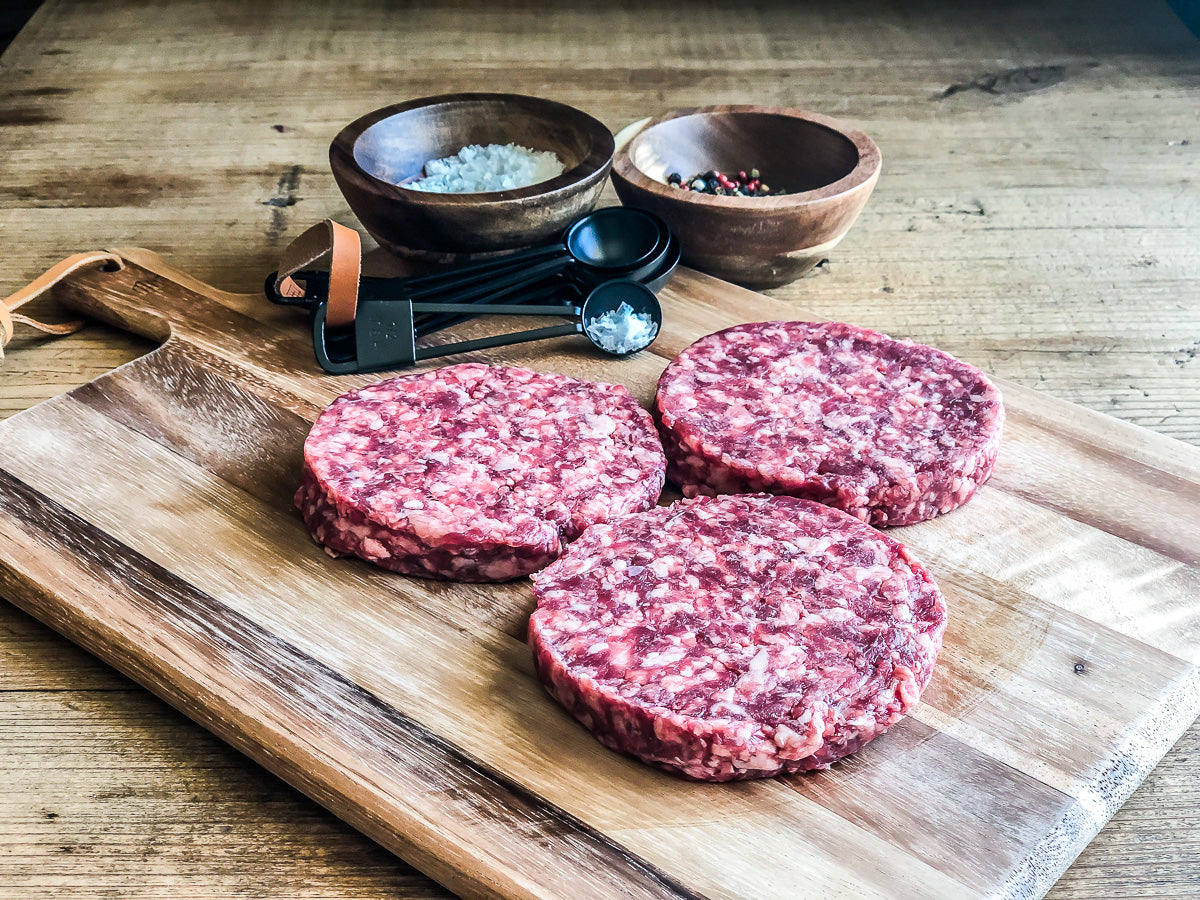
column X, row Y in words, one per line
column 39, row 286
column 345, row 267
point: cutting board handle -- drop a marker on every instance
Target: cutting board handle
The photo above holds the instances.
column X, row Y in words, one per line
column 43, row 283
column 138, row 291
column 134, row 298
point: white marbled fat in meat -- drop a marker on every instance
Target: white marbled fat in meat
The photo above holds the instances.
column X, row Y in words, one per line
column 890, row 431
column 736, row 637
column 475, row 472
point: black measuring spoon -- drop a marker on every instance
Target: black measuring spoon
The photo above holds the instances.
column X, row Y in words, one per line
column 611, row 241
column 384, row 336
column 654, row 275
column 583, row 277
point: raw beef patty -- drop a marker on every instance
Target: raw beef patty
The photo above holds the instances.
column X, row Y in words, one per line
column 736, row 637
column 474, row 472
column 890, row 431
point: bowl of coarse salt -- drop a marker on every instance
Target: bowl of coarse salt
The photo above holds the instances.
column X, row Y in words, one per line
column 458, row 176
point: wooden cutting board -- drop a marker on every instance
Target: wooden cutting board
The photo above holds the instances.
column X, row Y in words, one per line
column 147, row 516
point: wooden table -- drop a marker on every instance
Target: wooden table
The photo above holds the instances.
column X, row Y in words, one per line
column 1038, row 215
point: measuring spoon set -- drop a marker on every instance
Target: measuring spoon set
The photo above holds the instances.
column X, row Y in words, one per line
column 602, row 277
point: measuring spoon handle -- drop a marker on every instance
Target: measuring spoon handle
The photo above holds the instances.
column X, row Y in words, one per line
column 497, row 309
column 499, row 340
column 470, row 274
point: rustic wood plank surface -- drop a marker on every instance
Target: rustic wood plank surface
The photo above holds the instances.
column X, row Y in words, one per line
column 1037, row 214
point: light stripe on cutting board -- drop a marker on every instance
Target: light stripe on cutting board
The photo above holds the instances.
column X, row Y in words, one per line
column 273, row 563
column 1124, row 586
column 448, row 675
column 310, row 725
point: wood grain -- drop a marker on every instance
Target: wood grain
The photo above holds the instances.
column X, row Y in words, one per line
column 396, row 683
column 132, row 601
column 1047, row 235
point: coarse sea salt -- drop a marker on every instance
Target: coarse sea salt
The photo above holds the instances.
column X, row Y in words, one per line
column 621, row 330
column 496, row 167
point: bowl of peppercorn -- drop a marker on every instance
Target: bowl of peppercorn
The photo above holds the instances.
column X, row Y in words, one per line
column 757, row 195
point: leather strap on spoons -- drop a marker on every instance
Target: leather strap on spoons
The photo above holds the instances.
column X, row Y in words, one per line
column 618, row 317
column 314, row 286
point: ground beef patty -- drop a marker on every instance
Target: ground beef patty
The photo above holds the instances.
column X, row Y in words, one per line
column 736, row 637
column 890, row 431
column 474, row 472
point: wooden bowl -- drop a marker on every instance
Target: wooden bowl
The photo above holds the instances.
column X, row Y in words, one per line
column 370, row 155
column 828, row 169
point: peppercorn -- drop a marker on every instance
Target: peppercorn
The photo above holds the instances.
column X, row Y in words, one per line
column 719, row 184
